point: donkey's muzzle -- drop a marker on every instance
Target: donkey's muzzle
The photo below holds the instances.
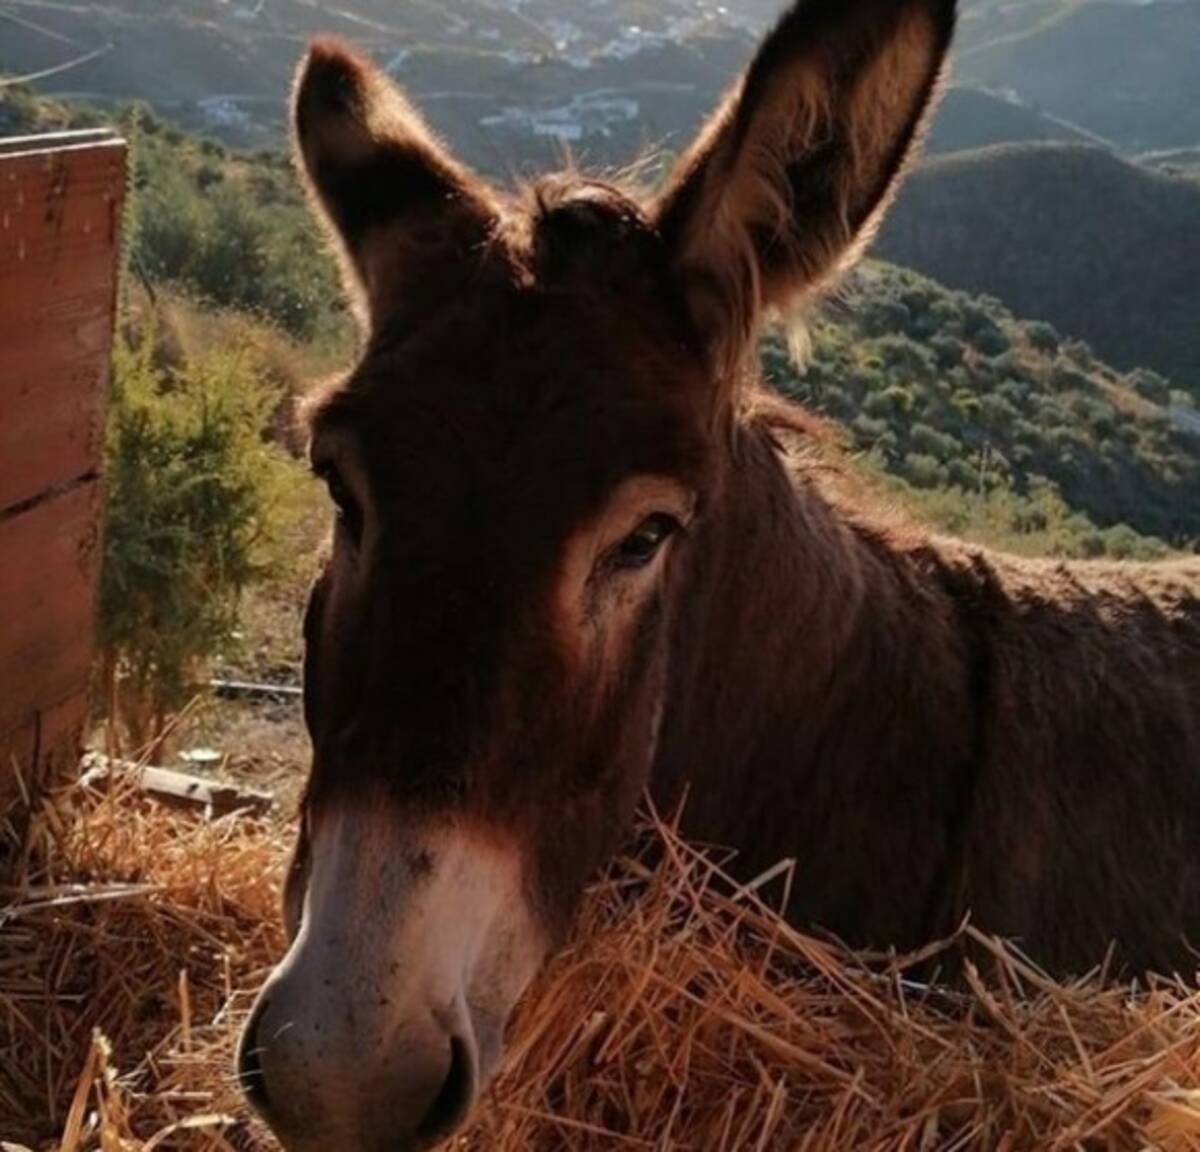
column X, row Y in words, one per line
column 317, row 1088
column 380, row 1026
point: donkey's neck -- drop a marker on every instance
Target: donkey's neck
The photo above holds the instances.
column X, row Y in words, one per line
column 821, row 704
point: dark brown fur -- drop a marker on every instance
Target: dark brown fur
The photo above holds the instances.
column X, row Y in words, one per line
column 580, row 553
column 928, row 729
column 933, row 730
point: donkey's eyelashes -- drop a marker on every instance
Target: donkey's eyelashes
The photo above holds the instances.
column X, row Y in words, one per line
column 641, row 546
column 346, row 504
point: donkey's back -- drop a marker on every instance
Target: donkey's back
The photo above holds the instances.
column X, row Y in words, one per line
column 1083, row 814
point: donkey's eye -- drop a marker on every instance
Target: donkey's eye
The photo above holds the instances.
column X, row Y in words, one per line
column 644, row 542
column 343, row 500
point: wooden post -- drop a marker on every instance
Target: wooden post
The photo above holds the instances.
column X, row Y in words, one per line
column 61, row 200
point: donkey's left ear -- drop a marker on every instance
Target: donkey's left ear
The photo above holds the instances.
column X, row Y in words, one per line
column 787, row 183
column 405, row 214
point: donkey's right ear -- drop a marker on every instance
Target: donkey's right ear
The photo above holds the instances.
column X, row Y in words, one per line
column 399, row 206
column 786, row 184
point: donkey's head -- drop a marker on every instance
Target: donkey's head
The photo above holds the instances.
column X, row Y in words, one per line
column 523, row 462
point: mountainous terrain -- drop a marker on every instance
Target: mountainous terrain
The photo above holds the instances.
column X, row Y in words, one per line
column 971, row 118
column 1126, row 71
column 610, row 74
column 948, row 391
column 1013, row 431
column 1103, row 249
column 512, row 81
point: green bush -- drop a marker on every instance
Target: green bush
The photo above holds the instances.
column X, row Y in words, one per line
column 234, row 233
column 1042, row 336
column 991, row 341
column 1028, row 408
column 1150, row 385
column 933, row 443
column 924, row 471
column 197, row 497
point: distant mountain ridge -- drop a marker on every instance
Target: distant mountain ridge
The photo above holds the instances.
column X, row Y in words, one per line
column 226, row 67
column 1105, row 250
column 970, row 118
column 514, row 81
column 998, row 429
column 1127, row 71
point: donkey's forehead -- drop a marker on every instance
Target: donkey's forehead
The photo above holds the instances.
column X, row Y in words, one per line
column 570, row 317
column 572, row 227
column 542, row 375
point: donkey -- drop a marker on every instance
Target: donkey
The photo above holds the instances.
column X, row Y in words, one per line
column 578, row 553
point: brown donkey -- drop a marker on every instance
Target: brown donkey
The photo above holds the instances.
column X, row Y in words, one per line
column 577, row 552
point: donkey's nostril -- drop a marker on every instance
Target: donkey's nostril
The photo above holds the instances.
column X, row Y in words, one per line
column 455, row 1096
column 249, row 1064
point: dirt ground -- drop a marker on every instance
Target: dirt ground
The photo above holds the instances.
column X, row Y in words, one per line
column 258, row 741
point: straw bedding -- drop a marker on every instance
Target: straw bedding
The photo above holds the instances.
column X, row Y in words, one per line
column 683, row 1015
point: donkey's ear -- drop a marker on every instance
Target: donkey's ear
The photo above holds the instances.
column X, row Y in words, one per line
column 787, row 183
column 401, row 209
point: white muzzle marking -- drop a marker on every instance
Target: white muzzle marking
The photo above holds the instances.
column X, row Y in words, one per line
column 386, row 1017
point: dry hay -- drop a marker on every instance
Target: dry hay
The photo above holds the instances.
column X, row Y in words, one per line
column 684, row 1015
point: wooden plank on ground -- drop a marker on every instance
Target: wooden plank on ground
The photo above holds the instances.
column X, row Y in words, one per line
column 176, row 789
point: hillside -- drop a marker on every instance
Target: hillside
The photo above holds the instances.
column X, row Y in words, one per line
column 983, row 22
column 970, row 118
column 1105, row 250
column 231, row 229
column 513, row 82
column 1125, row 71
column 966, row 409
column 950, row 392
column 510, row 81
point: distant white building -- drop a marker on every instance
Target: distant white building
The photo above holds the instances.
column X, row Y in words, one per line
column 223, row 112
column 588, row 114
column 566, row 130
column 562, row 32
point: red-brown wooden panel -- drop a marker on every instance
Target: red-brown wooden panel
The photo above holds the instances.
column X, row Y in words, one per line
column 49, row 558
column 18, row 747
column 59, row 728
column 60, row 210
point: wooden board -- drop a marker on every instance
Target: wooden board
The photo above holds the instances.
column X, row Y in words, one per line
column 214, row 798
column 49, row 564
column 60, row 212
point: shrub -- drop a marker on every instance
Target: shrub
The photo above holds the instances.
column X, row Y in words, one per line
column 1066, row 378
column 195, row 496
column 962, row 475
column 924, row 471
column 947, row 351
column 1149, row 384
column 1042, row 336
column 899, row 353
column 997, row 413
column 931, row 442
column 991, row 340
column 883, row 316
column 868, row 430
